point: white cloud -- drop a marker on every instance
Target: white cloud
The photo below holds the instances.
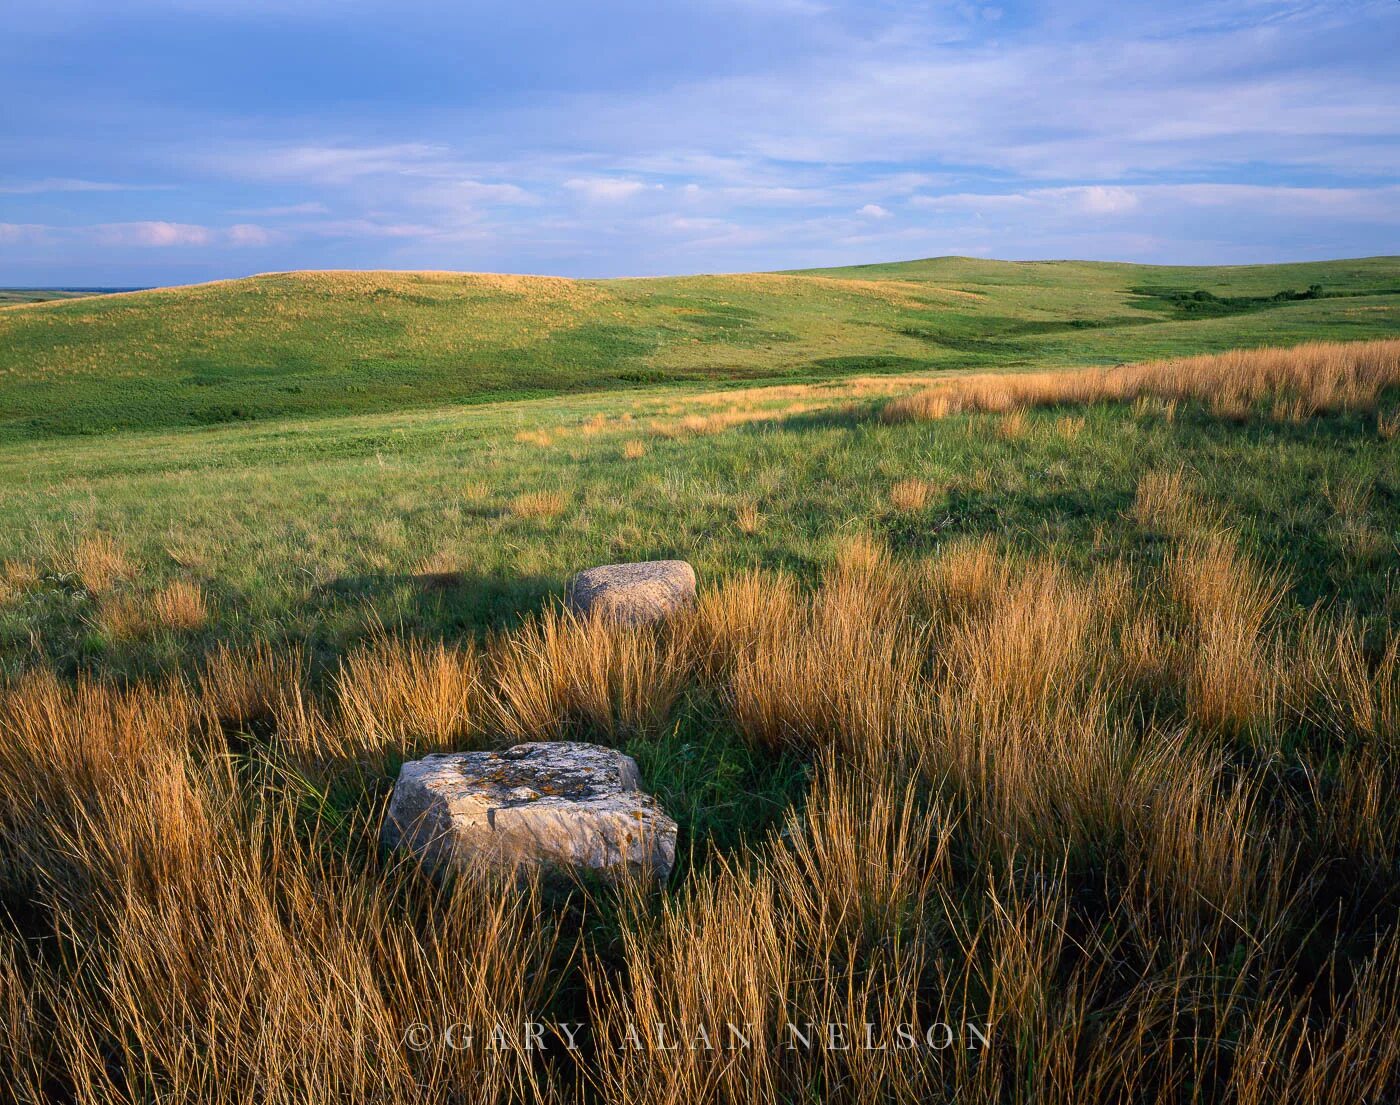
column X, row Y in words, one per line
column 872, row 130
column 1095, row 98
column 152, row 234
column 1378, row 204
column 250, row 234
column 69, row 184
column 609, row 189
column 285, row 210
column 1100, row 199
column 22, row 232
column 1381, row 204
column 367, row 228
column 330, row 164
column 467, row 193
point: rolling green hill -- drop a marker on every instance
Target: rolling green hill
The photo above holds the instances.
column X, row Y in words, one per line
column 308, row 344
column 1073, row 712
column 12, row 296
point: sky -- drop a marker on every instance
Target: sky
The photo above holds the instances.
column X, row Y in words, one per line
column 150, row 142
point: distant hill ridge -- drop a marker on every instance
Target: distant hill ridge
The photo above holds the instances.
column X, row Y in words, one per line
column 309, row 343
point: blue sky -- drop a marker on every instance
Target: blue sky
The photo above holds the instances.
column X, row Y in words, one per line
column 166, row 141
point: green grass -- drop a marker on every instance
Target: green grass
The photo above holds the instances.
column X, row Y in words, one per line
column 9, row 297
column 317, row 531
column 325, row 344
column 317, row 534
column 369, row 477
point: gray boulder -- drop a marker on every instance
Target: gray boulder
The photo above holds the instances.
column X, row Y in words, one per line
column 559, row 805
column 636, row 594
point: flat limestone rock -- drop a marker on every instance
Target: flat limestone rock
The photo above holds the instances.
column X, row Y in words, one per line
column 637, row 594
column 561, row 805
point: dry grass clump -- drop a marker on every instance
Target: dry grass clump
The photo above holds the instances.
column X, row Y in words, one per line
column 562, row 673
column 240, row 687
column 17, row 577
column 912, row 495
column 121, row 616
column 772, row 956
column 1069, row 428
column 1012, row 426
column 848, row 671
column 204, row 949
column 1020, row 665
column 534, row 437
column 101, row 563
column 748, row 519
column 442, row 567
column 1307, row 379
column 1031, row 831
column 924, row 406
column 540, row 505
column 634, row 450
column 407, row 696
column 966, row 576
column 180, row 605
column 1145, row 657
column 1225, row 601
column 1166, row 503
column 1332, row 681
column 751, row 613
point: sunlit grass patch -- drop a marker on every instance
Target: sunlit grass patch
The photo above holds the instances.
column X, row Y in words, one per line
column 1300, row 381
column 539, row 505
column 180, row 605
column 913, row 495
column 101, row 562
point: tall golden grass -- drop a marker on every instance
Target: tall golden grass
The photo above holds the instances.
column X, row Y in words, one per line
column 912, row 495
column 540, row 505
column 1298, row 381
column 1044, row 803
column 100, row 562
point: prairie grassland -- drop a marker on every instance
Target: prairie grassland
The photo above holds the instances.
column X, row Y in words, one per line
column 1144, row 874
column 1083, row 735
column 453, row 522
column 313, row 344
column 1298, row 382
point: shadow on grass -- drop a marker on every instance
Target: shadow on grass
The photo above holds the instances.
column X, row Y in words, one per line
column 454, row 604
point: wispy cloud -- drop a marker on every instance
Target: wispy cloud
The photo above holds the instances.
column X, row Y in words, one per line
column 285, row 210
column 14, row 233
column 609, row 189
column 720, row 135
column 251, row 234
column 152, row 234
column 147, row 234
column 68, row 184
column 1370, row 204
column 326, row 164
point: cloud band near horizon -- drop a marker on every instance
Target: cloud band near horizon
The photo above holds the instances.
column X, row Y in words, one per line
column 186, row 140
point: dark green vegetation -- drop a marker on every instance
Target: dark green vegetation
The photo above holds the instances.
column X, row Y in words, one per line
column 1132, row 831
column 1203, row 304
column 317, row 532
column 316, row 344
column 9, row 297
column 1104, row 793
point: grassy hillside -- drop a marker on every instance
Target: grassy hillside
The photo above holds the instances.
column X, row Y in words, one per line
column 457, row 519
column 9, row 297
column 339, row 343
column 1069, row 709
